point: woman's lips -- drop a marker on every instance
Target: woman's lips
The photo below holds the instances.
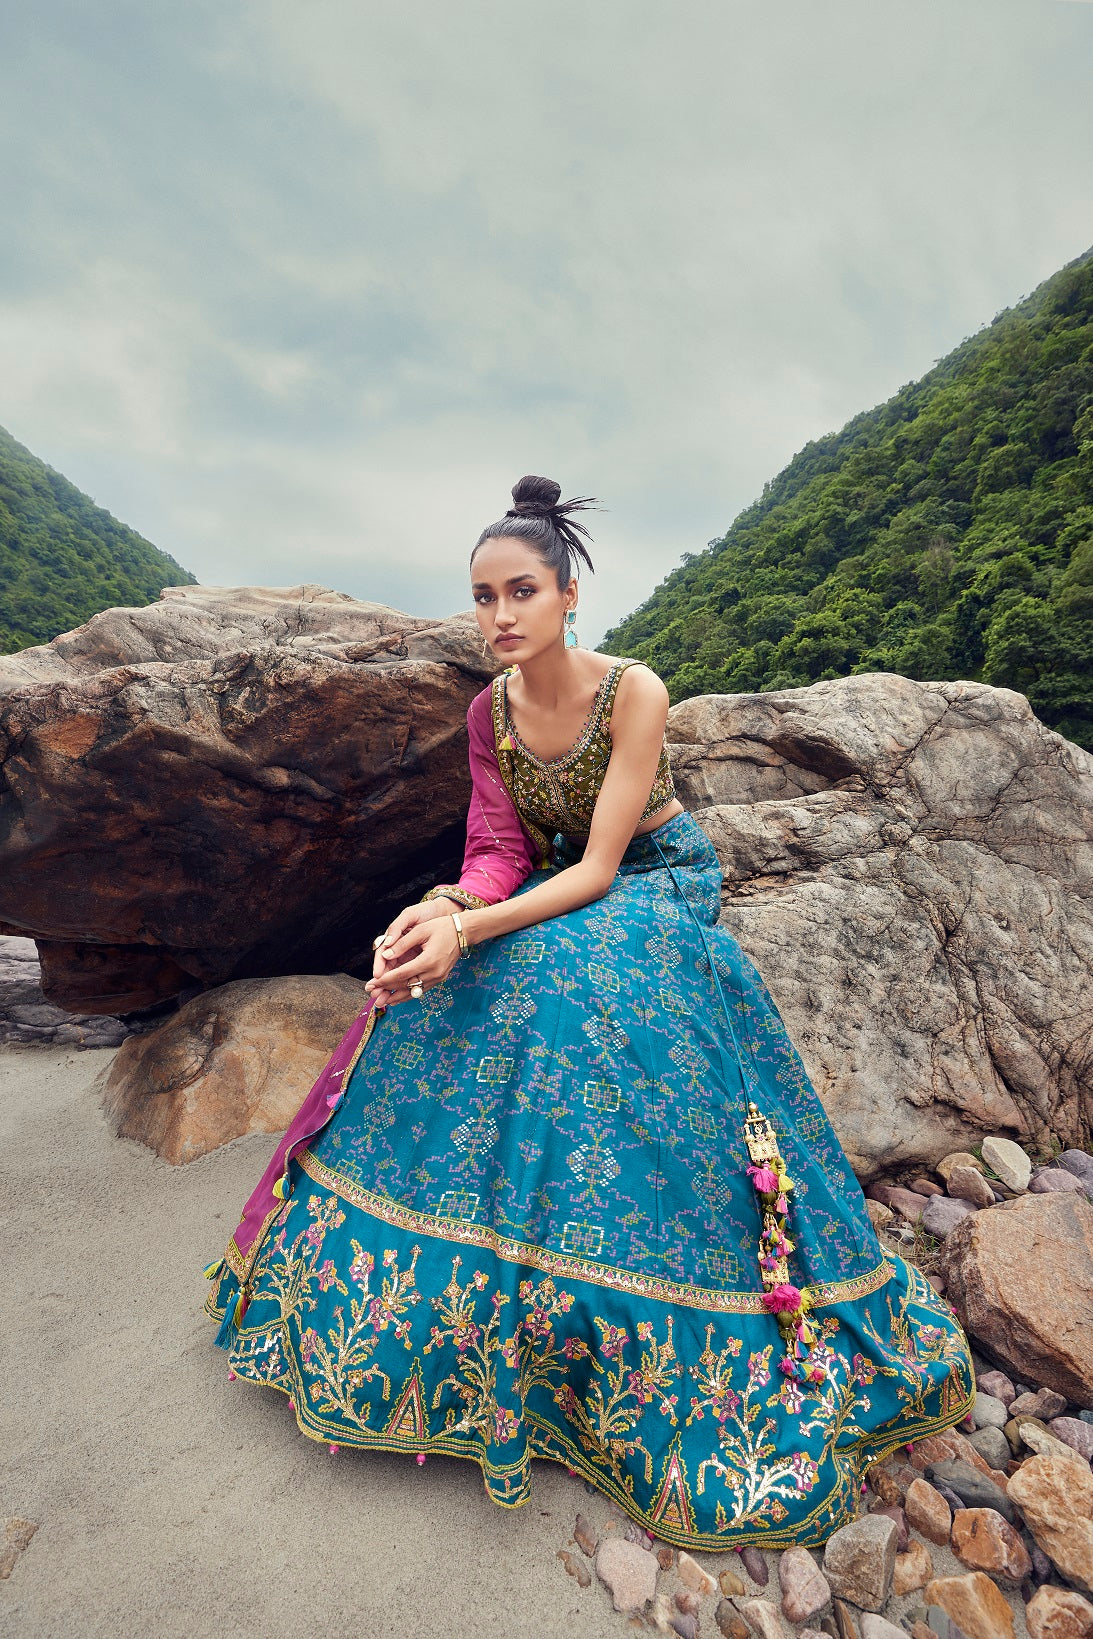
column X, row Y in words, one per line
column 507, row 640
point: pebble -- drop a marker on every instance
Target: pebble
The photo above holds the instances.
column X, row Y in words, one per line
column 942, row 1214
column 928, row 1511
column 574, row 1567
column 805, row 1592
column 628, row 1572
column 1036, row 1435
column 729, row 1622
column 974, row 1602
column 685, row 1625
column 693, row 1576
column 955, row 1503
column 762, row 1618
column 998, row 1385
column 637, row 1533
column 958, row 1158
column 859, row 1560
column 730, row 1583
column 969, row 1184
column 913, row 1569
column 1074, row 1432
column 890, row 1479
column 15, row 1541
column 880, row 1216
column 585, row 1537
column 992, row 1446
column 843, row 1623
column 879, row 1627
column 756, row 1566
column 687, row 1602
column 984, row 1541
column 665, row 1557
column 987, row 1412
column 975, row 1490
column 1058, row 1613
column 1007, row 1161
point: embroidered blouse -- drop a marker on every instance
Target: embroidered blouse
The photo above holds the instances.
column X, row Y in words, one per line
column 520, row 802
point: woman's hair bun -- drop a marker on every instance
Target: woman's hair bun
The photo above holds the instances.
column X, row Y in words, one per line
column 533, row 494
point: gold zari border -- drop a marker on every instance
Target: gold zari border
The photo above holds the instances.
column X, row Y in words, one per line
column 570, row 1268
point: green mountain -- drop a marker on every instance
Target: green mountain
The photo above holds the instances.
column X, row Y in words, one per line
column 946, row 534
column 62, row 558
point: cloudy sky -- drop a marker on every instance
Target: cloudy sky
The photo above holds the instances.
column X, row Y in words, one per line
column 299, row 291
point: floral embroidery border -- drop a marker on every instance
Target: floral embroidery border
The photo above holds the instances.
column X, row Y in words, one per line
column 571, row 1268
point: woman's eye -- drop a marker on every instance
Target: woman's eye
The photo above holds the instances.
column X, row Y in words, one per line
column 528, row 589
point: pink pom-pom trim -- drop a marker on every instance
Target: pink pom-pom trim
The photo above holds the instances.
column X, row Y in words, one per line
column 765, row 1181
column 421, row 1456
column 782, row 1300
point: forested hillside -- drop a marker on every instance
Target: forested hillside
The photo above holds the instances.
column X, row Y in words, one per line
column 946, row 534
column 62, row 558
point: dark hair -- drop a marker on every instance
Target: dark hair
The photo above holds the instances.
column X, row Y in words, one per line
column 538, row 517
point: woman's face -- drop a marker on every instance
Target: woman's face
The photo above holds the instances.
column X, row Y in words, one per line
column 517, row 599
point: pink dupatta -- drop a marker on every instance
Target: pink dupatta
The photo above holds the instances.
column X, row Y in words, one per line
column 499, row 856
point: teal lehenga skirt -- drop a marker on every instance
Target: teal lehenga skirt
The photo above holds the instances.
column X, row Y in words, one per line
column 556, row 1212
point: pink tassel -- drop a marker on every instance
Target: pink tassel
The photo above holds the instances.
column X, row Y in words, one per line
column 421, row 1456
column 231, row 1376
column 334, row 1450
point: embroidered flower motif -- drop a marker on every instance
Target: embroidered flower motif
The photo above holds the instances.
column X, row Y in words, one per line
column 505, row 1425
column 327, row 1275
column 757, row 1367
column 309, row 1342
column 790, row 1394
column 804, row 1471
column 361, row 1267
column 575, row 1348
column 645, row 1330
column 614, row 1342
column 510, row 1352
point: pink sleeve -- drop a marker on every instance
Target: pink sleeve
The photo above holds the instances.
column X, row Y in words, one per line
column 499, row 855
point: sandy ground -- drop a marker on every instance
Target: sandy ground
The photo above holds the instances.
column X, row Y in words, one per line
column 172, row 1502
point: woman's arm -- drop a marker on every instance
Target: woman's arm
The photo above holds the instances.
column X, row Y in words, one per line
column 638, row 717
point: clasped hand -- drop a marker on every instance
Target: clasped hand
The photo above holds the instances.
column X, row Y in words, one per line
column 421, row 946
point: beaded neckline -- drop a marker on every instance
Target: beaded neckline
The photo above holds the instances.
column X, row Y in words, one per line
column 586, row 729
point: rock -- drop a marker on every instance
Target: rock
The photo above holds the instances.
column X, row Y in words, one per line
column 1042, row 1568
column 574, row 1567
column 974, row 1603
column 949, row 1445
column 844, row 1625
column 894, row 1512
column 239, row 1059
column 762, row 1618
column 15, row 1541
column 987, row 1412
column 687, row 1602
column 585, row 1537
column 1074, row 1433
column 805, row 1592
column 1049, row 1405
column 1079, row 1163
column 729, row 1622
column 756, row 1566
column 890, row 1479
column 938, row 1622
column 998, row 1284
column 998, row 1385
column 984, row 1541
column 693, row 1576
column 1058, row 1613
column 992, row 1445
column 629, row 1573
column 955, row 1503
column 926, row 1186
column 1036, row 1436
column 879, row 1627
column 1055, row 1496
column 1007, row 1161
column 975, row 1490
column 969, row 1184
column 880, row 1216
column 636, row 1533
column 666, row 1557
column 942, row 1214
column 859, row 1559
column 913, row 1569
column 186, row 783
column 907, row 1204
column 1048, row 1179
column 685, row 1625
column 958, row 1158
column 921, row 840
column 730, row 1583
column 928, row 1512
column 26, row 1016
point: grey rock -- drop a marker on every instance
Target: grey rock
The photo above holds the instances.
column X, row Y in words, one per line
column 974, row 1489
column 1054, row 1178
column 1008, row 1160
column 873, row 1626
column 997, row 1385
column 762, row 1618
column 950, row 1495
column 1079, row 1163
column 627, row 1571
column 942, row 1213
column 987, row 1412
column 937, row 1619
column 1074, row 1432
column 859, row 1559
column 992, row 1446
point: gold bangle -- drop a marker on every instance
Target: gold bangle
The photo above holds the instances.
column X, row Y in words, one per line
column 464, row 948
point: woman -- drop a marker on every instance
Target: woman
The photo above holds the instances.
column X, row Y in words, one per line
column 564, row 1189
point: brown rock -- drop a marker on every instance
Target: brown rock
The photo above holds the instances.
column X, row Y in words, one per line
column 730, row 1623
column 958, row 1158
column 984, row 1541
column 908, row 1205
column 928, row 1512
column 926, row 1186
column 969, row 1184
column 692, row 1575
column 998, row 1285
column 666, row 1557
column 974, row 1603
column 574, row 1567
column 952, row 813
column 585, row 1537
column 756, row 1566
column 890, row 1479
column 914, row 1568
column 880, row 1216
column 921, row 1630
column 730, row 1583
column 844, row 1624
column 893, row 1511
column 1055, row 1496
column 859, row 1559
column 14, row 1541
column 1058, row 1613
column 186, row 783
column 687, row 1602
column 950, row 1445
column 235, row 1060
column 762, row 1618
column 805, row 1592
column 629, row 1573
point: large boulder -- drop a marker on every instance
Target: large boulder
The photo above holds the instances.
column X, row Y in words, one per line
column 231, row 782
column 910, row 866
column 238, row 1059
column 1020, row 1276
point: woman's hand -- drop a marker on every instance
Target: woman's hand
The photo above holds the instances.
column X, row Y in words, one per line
column 421, row 945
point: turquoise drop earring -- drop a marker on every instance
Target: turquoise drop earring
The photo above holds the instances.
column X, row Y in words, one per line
column 570, row 634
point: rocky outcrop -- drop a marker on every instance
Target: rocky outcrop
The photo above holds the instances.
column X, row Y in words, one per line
column 910, row 866
column 226, row 784
column 1020, row 1276
column 238, row 1059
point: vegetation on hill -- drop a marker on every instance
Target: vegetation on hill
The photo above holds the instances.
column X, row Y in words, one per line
column 62, row 558
column 946, row 534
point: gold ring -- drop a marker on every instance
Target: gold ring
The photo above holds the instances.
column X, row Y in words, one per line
column 416, row 990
